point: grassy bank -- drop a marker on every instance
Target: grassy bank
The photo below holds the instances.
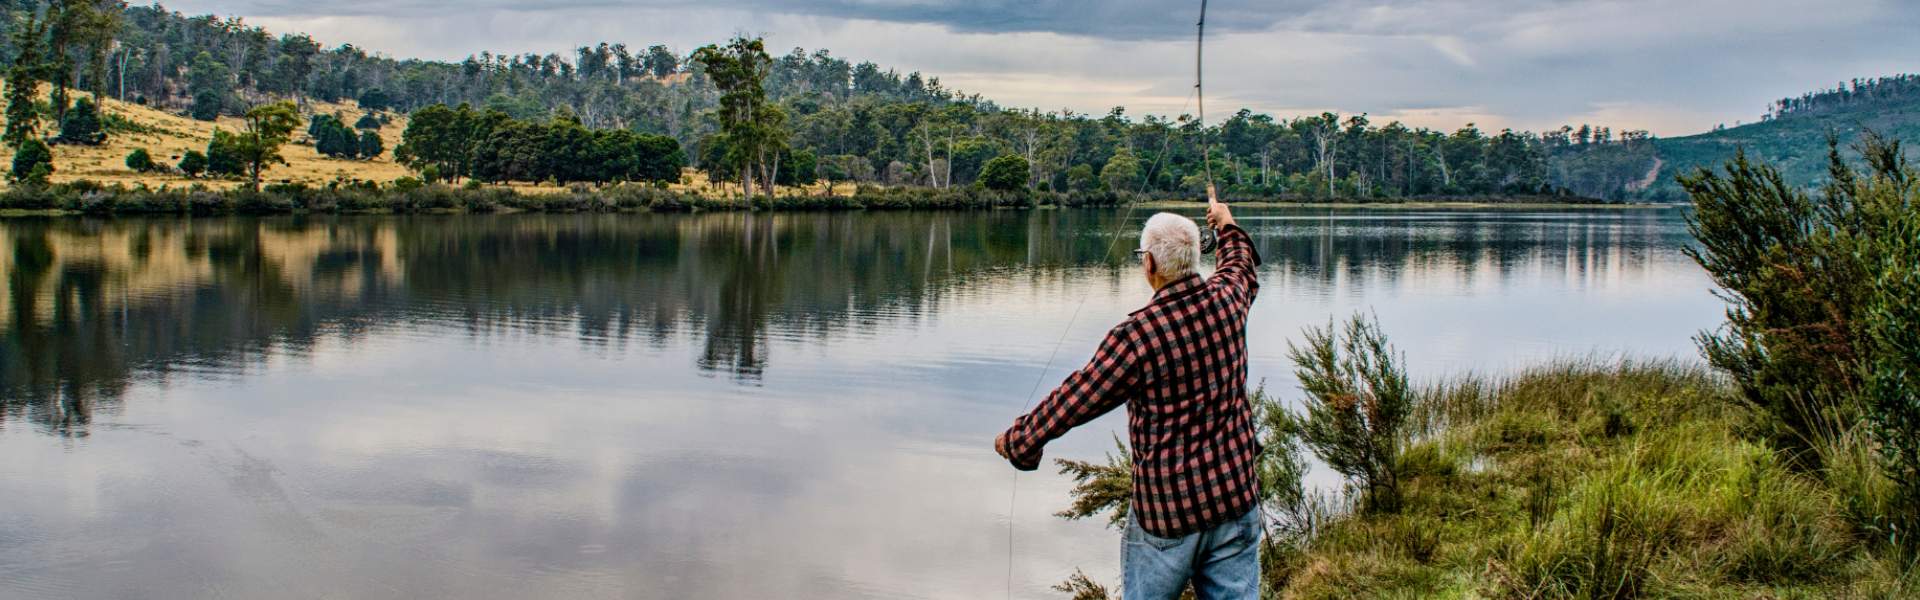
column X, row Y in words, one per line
column 1579, row 480
column 1596, row 481
column 405, row 196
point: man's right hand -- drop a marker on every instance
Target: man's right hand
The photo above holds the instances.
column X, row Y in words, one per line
column 1218, row 216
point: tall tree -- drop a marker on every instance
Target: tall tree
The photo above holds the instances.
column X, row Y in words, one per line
column 268, row 127
column 661, row 61
column 755, row 129
column 23, row 83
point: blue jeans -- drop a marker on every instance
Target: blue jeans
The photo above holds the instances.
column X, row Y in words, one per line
column 1223, row 562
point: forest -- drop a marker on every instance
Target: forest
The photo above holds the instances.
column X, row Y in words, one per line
column 817, row 116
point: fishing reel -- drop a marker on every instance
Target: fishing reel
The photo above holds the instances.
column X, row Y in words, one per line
column 1209, row 241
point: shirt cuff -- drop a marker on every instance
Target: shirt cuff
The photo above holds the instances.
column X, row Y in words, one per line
column 1245, row 237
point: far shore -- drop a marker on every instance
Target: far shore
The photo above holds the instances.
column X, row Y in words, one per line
column 96, row 200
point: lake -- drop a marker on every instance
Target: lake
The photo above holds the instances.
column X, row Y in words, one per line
column 674, row 406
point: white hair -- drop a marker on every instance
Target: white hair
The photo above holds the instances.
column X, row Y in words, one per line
column 1174, row 242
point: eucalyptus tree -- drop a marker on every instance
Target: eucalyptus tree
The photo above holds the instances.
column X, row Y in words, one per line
column 755, row 129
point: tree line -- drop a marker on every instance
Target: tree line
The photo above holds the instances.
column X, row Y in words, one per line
column 1847, row 94
column 455, row 143
column 814, row 115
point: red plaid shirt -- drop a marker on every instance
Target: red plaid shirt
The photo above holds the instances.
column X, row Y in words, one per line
column 1180, row 364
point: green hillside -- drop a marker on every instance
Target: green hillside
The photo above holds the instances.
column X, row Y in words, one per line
column 1794, row 136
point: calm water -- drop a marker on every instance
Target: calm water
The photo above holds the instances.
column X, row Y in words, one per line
column 710, row 406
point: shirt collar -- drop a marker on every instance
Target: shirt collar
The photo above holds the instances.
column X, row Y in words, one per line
column 1184, row 286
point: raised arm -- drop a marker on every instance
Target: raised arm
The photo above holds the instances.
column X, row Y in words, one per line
column 1093, row 390
column 1237, row 259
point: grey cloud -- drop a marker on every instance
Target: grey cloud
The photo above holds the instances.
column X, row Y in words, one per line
column 1675, row 67
column 1119, row 19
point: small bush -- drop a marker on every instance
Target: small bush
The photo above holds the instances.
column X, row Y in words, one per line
column 193, row 163
column 32, row 162
column 82, row 124
column 140, row 161
column 1357, row 406
column 206, row 105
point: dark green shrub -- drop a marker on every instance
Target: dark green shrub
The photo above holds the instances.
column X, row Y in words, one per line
column 370, row 146
column 82, row 124
column 1822, row 293
column 32, row 162
column 223, row 155
column 333, row 138
column 193, row 163
column 206, row 105
column 140, row 161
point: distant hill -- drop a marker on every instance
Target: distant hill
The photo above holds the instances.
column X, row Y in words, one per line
column 1793, row 136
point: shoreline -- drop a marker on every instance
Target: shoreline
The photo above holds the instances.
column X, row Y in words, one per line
column 65, row 200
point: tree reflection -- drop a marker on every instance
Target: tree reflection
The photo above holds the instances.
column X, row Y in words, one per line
column 92, row 307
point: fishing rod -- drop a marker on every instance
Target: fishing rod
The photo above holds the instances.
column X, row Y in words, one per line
column 1208, row 242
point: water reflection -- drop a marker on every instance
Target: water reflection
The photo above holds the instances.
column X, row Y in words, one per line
column 91, row 305
column 710, row 406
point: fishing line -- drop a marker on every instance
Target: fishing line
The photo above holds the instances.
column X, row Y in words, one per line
column 1198, row 95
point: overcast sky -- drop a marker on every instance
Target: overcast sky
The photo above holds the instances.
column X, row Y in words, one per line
column 1672, row 66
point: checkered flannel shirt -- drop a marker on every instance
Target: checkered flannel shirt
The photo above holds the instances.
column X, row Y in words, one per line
column 1180, row 364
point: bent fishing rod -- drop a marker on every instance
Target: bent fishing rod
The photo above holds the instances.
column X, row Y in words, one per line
column 1208, row 243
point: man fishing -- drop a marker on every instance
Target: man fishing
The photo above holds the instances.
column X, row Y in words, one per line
column 1180, row 366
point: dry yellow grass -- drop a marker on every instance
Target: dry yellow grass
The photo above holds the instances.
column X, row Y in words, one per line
column 171, row 135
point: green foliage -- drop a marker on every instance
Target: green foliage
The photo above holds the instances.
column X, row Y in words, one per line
column 32, row 162
column 224, row 158
column 1519, row 489
column 141, row 162
column 1006, row 172
column 840, row 108
column 82, row 124
column 1080, row 178
column 368, row 122
column 800, row 167
column 195, row 162
column 1819, row 331
column 1357, row 406
column 207, row 105
column 1888, row 197
column 332, row 138
column 375, row 99
column 1122, row 172
column 1082, row 587
column 210, row 82
column 23, row 83
column 1101, row 488
column 371, row 147
column 268, row 127
column 755, row 130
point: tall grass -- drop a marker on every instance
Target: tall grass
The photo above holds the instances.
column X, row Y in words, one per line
column 1596, row 479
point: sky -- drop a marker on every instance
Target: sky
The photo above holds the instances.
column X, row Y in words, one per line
column 1673, row 67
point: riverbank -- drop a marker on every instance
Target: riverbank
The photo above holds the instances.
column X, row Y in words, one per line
column 85, row 198
column 1589, row 480
column 89, row 199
